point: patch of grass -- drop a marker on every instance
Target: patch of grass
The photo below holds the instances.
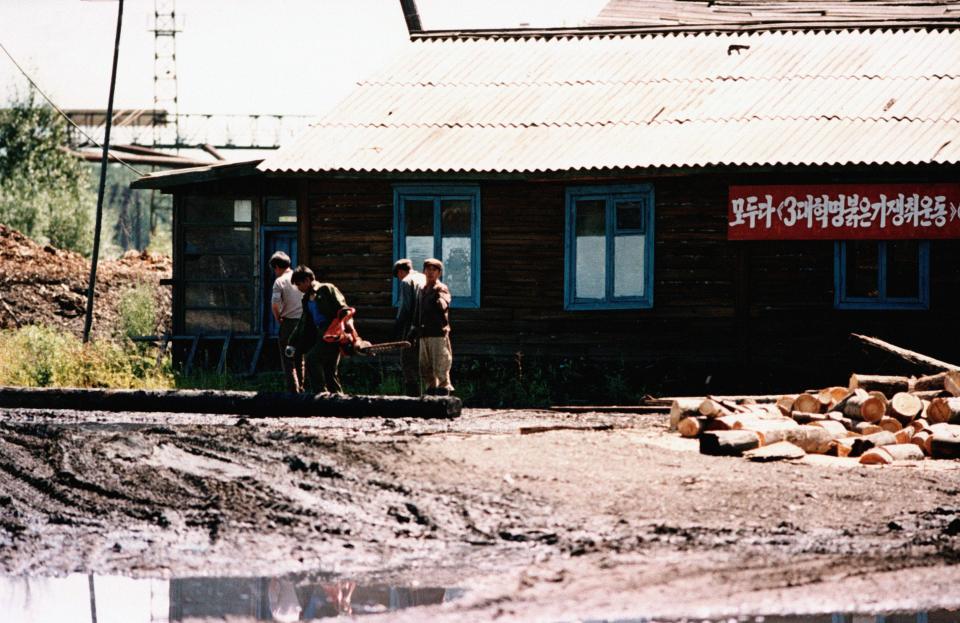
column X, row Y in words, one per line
column 137, row 311
column 207, row 379
column 38, row 356
column 542, row 381
column 45, row 357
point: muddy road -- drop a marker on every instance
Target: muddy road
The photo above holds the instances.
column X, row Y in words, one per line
column 615, row 518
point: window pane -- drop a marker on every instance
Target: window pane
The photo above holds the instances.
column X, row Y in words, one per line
column 208, row 210
column 903, row 269
column 630, row 215
column 217, row 321
column 455, row 216
column 281, row 211
column 242, row 210
column 216, row 240
column 591, row 242
column 862, row 269
column 218, row 266
column 628, row 270
column 217, row 295
column 419, row 234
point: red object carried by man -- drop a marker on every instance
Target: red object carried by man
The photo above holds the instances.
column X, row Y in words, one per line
column 343, row 333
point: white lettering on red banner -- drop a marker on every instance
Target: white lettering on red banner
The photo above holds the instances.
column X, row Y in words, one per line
column 844, row 212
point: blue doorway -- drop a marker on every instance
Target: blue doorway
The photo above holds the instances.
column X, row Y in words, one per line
column 274, row 239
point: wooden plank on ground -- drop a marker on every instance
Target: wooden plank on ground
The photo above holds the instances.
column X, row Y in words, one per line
column 250, row 404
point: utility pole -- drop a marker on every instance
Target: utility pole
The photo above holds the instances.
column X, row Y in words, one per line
column 88, row 323
column 165, row 91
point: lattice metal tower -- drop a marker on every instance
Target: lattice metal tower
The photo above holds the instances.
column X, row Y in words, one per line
column 165, row 69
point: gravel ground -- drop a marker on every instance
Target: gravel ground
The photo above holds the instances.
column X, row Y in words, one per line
column 611, row 517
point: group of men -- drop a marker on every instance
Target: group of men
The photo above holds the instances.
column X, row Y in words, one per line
column 305, row 308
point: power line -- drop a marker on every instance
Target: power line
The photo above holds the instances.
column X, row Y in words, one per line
column 63, row 114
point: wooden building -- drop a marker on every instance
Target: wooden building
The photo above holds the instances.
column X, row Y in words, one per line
column 730, row 201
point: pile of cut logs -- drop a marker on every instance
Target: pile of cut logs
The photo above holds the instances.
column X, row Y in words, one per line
column 880, row 419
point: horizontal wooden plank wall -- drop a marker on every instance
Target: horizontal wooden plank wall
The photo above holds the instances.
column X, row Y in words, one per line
column 718, row 305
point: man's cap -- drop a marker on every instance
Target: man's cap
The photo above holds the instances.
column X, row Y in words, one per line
column 403, row 264
column 432, row 261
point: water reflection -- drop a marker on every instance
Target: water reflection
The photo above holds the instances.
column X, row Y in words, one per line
column 937, row 616
column 293, row 598
column 111, row 599
column 106, row 599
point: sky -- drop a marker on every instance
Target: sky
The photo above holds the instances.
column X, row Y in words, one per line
column 236, row 56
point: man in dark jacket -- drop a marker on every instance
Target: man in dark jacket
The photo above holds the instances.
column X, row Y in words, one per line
column 411, row 280
column 433, row 327
column 322, row 303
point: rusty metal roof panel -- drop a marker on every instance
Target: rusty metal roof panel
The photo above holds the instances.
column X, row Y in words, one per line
column 561, row 148
column 645, row 101
column 675, row 57
column 753, row 13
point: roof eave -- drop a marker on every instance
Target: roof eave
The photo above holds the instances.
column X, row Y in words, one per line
column 693, row 29
column 172, row 179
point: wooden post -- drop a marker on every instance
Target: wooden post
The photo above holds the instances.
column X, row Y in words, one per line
column 98, row 225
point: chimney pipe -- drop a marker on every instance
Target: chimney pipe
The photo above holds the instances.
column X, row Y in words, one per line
column 411, row 15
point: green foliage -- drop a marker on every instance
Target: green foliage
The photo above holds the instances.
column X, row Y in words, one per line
column 44, row 357
column 38, row 356
column 370, row 377
column 132, row 219
column 208, row 379
column 543, row 381
column 137, row 311
column 44, row 191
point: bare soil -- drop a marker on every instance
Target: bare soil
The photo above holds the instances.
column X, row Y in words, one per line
column 43, row 285
column 617, row 519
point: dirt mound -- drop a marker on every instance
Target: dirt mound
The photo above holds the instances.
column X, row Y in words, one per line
column 45, row 285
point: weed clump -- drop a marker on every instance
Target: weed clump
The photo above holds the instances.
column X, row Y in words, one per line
column 137, row 311
column 38, row 356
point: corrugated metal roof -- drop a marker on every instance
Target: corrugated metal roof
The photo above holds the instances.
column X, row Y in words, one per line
column 746, row 13
column 646, row 101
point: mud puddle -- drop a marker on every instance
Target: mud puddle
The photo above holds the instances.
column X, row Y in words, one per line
column 938, row 616
column 303, row 597
column 612, row 521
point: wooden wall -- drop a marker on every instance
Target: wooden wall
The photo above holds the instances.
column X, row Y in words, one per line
column 722, row 308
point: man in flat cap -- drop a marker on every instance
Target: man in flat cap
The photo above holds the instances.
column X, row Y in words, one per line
column 411, row 281
column 285, row 305
column 433, row 324
column 322, row 303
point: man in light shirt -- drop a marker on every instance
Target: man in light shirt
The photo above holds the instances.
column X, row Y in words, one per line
column 411, row 280
column 286, row 306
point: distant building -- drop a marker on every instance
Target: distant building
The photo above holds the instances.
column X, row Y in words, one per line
column 733, row 197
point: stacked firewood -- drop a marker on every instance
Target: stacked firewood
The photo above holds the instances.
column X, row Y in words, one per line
column 880, row 419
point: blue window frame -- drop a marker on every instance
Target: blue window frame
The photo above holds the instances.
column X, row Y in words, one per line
column 609, row 247
column 888, row 274
column 441, row 222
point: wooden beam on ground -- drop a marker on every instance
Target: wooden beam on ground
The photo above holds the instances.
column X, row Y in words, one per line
column 922, row 362
column 667, row 401
column 250, row 404
column 641, row 409
column 548, row 428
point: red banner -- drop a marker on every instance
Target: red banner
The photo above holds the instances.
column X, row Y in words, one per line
column 844, row 212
